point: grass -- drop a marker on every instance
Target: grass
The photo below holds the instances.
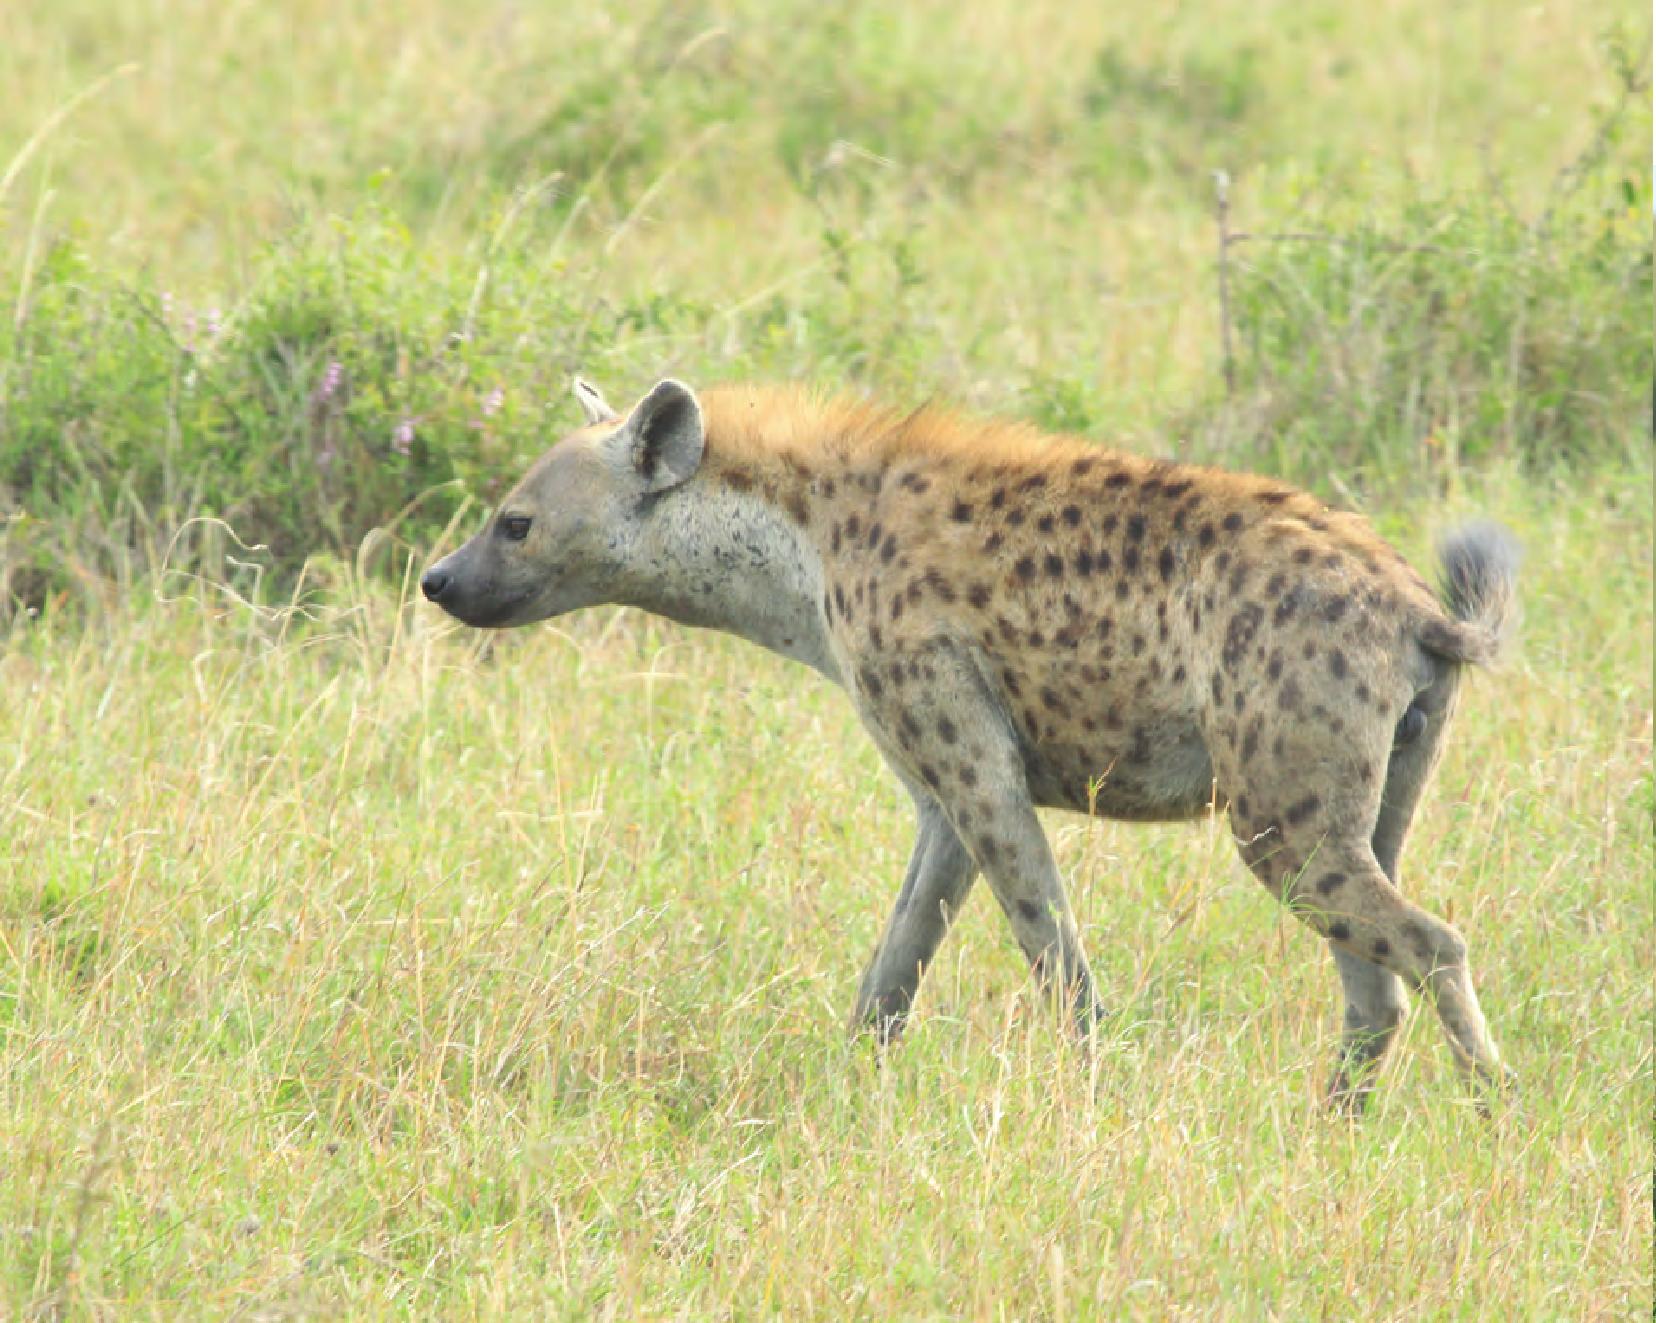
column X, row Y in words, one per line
column 351, row 966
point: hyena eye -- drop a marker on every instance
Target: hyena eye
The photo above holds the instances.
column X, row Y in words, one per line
column 516, row 527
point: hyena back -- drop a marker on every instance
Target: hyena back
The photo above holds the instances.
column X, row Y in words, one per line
column 1024, row 621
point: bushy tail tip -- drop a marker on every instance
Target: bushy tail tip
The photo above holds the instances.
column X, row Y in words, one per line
column 1479, row 564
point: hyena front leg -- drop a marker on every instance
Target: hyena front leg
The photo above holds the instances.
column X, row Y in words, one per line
column 934, row 717
column 1007, row 840
column 940, row 873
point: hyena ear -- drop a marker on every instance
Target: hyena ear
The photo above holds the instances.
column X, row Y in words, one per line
column 663, row 437
column 593, row 405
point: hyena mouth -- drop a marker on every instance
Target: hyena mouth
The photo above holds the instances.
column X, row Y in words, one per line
column 488, row 612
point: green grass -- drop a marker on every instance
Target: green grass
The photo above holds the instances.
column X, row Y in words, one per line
column 351, row 966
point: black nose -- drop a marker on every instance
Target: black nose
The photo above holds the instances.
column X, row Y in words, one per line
column 433, row 582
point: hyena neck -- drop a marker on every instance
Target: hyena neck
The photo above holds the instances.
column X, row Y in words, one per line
column 717, row 555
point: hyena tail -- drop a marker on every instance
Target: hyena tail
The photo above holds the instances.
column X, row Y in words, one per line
column 1480, row 577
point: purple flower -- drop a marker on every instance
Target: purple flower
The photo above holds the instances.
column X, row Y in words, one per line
column 215, row 324
column 331, row 378
column 492, row 402
column 403, row 438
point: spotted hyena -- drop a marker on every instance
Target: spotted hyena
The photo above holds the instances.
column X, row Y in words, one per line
column 1024, row 620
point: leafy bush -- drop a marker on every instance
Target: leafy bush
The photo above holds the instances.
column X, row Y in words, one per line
column 1457, row 333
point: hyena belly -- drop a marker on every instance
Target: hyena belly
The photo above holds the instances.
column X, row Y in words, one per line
column 1119, row 741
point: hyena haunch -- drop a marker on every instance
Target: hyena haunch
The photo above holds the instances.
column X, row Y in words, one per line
column 1024, row 620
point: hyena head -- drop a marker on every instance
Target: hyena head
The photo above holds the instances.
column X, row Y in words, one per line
column 562, row 538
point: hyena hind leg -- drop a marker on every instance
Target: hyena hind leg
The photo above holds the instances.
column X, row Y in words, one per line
column 1348, row 899
column 1375, row 1002
column 1375, row 1006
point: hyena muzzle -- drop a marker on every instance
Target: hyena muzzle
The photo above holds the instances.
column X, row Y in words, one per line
column 1026, row 621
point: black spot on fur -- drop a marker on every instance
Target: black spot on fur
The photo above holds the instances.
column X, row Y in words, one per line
column 1083, row 563
column 1164, row 563
column 946, row 730
column 1130, row 561
column 1286, row 607
column 1329, row 883
column 941, row 586
column 979, row 595
column 1072, row 515
column 1118, row 480
column 890, row 548
column 1239, row 634
column 1298, row 813
column 1339, row 932
column 1288, row 697
column 997, row 499
column 1135, row 528
column 961, row 512
column 1337, row 664
column 1380, row 949
column 853, row 527
column 1025, row 568
column 1205, row 535
column 1044, row 523
column 1054, row 565
column 1233, row 522
column 870, row 682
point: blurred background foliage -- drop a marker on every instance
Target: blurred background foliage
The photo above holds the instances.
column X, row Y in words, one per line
column 316, row 270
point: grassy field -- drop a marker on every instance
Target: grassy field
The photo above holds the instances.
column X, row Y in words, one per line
column 352, row 966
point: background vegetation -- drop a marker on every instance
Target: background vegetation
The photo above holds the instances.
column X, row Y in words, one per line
column 348, row 965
